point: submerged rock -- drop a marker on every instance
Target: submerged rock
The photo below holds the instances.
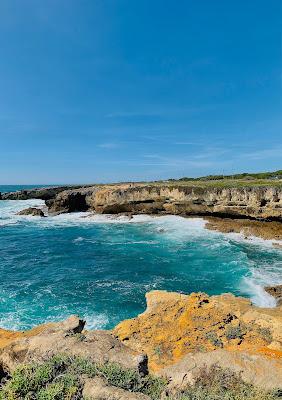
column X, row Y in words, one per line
column 37, row 212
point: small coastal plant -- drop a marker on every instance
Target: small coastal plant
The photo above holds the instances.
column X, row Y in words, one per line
column 219, row 384
column 266, row 334
column 62, row 378
column 214, row 339
column 234, row 332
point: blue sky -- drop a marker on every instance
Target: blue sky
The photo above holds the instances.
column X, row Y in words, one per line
column 110, row 90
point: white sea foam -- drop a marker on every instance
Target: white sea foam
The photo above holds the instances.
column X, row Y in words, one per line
column 96, row 321
column 257, row 293
column 173, row 228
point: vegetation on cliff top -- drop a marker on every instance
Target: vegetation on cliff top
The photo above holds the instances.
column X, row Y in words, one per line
column 62, row 378
column 245, row 175
column 235, row 180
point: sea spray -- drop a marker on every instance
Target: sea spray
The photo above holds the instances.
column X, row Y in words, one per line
column 101, row 266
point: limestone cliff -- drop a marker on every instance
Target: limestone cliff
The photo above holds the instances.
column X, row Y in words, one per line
column 246, row 202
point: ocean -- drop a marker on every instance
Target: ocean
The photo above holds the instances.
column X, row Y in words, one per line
column 100, row 267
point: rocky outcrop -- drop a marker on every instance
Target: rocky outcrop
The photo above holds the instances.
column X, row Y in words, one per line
column 270, row 230
column 68, row 338
column 254, row 369
column 182, row 199
column 98, row 389
column 36, row 212
column 181, row 334
column 276, row 292
column 246, row 202
column 40, row 193
column 175, row 325
column 68, row 201
column 251, row 202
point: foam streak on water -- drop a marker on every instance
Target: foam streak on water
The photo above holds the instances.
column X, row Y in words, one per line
column 101, row 266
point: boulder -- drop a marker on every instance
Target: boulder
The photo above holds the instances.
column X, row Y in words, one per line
column 37, row 212
column 69, row 338
column 98, row 389
column 276, row 292
column 255, row 369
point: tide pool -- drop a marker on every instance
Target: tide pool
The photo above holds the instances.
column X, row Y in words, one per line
column 101, row 267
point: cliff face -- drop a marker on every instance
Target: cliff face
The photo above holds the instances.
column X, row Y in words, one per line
column 248, row 202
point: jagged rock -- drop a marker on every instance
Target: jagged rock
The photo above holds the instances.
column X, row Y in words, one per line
column 264, row 229
column 98, row 389
column 71, row 200
column 68, row 338
column 276, row 292
column 37, row 212
column 175, row 324
column 37, row 193
column 255, row 369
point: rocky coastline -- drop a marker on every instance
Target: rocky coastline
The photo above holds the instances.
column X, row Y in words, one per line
column 252, row 202
column 248, row 209
column 173, row 340
column 178, row 336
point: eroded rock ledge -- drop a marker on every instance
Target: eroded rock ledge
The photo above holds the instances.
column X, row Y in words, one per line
column 181, row 199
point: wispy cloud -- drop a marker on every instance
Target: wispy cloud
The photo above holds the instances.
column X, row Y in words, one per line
column 129, row 114
column 180, row 162
column 264, row 154
column 109, row 145
column 162, row 111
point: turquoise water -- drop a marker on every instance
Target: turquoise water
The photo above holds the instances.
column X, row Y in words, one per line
column 101, row 267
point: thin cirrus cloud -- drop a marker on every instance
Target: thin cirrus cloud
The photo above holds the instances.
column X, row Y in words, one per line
column 109, row 145
column 158, row 160
column 274, row 152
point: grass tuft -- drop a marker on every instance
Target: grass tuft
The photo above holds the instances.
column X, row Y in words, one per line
column 62, row 378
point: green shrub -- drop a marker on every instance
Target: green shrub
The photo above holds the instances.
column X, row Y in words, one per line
column 266, row 334
column 61, row 378
column 214, row 339
column 234, row 332
column 218, row 384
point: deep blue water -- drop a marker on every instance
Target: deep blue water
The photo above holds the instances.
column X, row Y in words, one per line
column 101, row 267
column 14, row 188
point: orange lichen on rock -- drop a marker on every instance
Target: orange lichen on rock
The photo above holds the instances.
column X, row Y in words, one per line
column 176, row 324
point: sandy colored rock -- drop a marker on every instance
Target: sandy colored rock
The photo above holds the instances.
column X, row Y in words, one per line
column 276, row 292
column 185, row 198
column 267, row 230
column 98, row 389
column 255, row 369
column 176, row 324
column 68, row 338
